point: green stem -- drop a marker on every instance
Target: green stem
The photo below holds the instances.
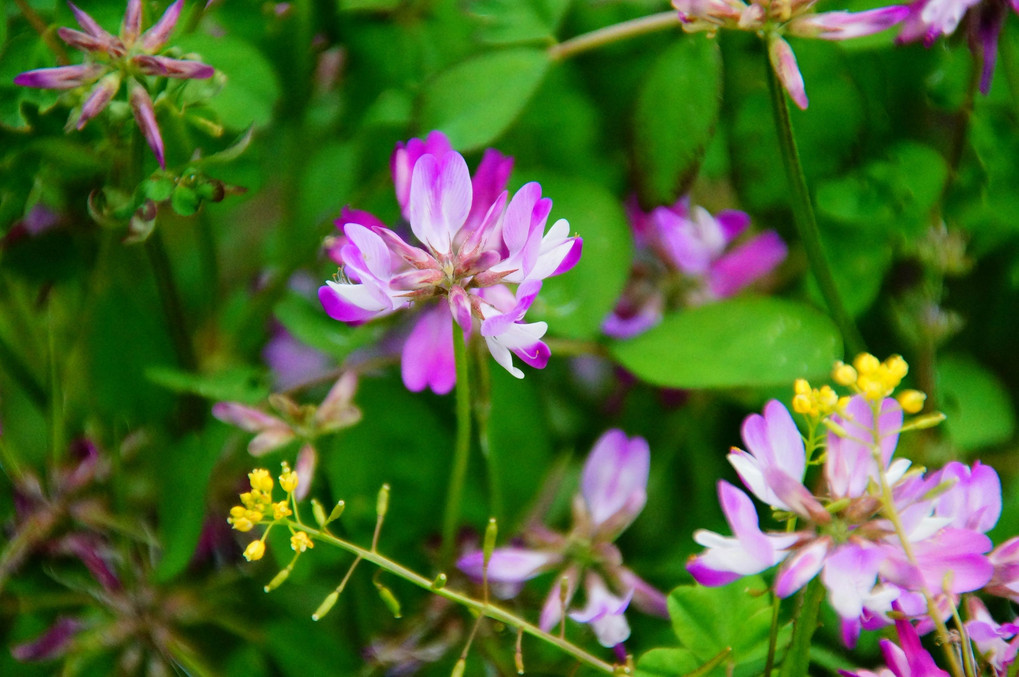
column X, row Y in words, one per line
column 797, row 658
column 19, row 371
column 461, row 454
column 169, row 297
column 613, row 33
column 889, row 511
column 806, row 223
column 1007, row 59
column 482, row 402
column 57, row 445
column 486, row 609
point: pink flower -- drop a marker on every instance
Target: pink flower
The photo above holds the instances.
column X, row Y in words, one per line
column 110, row 58
column 773, row 20
column 474, row 243
column 613, row 490
column 700, row 250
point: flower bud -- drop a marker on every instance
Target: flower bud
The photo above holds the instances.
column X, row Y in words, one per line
column 254, row 551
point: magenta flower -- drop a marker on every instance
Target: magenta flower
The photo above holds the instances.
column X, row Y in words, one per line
column 928, row 19
column 997, row 643
column 686, row 249
column 111, row 59
column 844, row 534
column 613, row 491
column 907, row 659
column 474, row 243
column 773, row 20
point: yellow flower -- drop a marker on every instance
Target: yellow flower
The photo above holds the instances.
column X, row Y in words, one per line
column 280, row 510
column 260, row 480
column 911, row 401
column 300, row 542
column 254, row 551
column 289, row 479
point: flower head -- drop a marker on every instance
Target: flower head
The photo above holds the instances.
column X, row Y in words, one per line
column 111, row 59
column 473, row 243
column 613, row 492
column 687, row 254
column 773, row 20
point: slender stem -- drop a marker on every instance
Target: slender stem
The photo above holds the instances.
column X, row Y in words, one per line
column 482, row 401
column 797, row 658
column 19, row 371
column 209, row 257
column 790, row 526
column 613, row 33
column 806, row 223
column 461, row 454
column 487, row 609
column 57, row 445
column 888, row 508
column 169, row 297
column 43, row 30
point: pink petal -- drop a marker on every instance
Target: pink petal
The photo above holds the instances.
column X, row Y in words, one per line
column 427, row 360
column 155, row 37
column 145, row 116
column 181, row 69
column 440, row 199
column 614, row 481
column 783, row 61
column 747, row 263
column 61, row 77
column 507, row 565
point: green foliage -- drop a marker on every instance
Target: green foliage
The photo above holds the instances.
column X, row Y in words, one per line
column 517, row 21
column 743, row 342
column 477, row 100
column 979, row 409
column 675, row 116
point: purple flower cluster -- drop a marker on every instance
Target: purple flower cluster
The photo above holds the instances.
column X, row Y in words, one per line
column 686, row 252
column 474, row 243
column 880, row 534
column 613, row 491
column 111, row 59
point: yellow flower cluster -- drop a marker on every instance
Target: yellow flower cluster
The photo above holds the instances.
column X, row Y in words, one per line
column 876, row 380
column 814, row 402
column 258, row 503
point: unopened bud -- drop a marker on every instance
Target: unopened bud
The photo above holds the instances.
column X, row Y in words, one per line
column 458, row 669
column 254, row 551
column 382, row 504
column 337, row 511
column 925, row 421
column 326, row 605
column 843, row 374
column 277, row 580
column 389, row 599
column 866, row 363
column 318, row 512
column 439, row 582
column 911, row 401
column 491, row 533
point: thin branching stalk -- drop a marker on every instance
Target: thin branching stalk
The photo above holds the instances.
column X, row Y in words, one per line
column 806, row 222
column 614, row 33
column 492, row 611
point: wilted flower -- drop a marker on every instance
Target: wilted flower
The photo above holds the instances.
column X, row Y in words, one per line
column 686, row 255
column 111, row 59
column 306, row 423
column 613, row 491
column 773, row 20
column 474, row 242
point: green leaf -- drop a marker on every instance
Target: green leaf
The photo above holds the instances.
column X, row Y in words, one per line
column 666, row 663
column 741, row 342
column 477, row 100
column 675, row 116
column 238, row 384
column 184, row 472
column 329, row 178
column 516, row 21
column 244, row 90
column 978, row 407
column 576, row 302
column 737, row 616
column 309, row 324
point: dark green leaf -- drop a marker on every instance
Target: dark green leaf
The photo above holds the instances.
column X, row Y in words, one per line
column 978, row 407
column 677, row 108
column 477, row 100
column 740, row 342
column 576, row 302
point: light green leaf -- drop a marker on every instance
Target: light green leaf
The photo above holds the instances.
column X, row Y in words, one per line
column 737, row 616
column 477, row 100
column 309, row 324
column 978, row 407
column 516, row 21
column 735, row 343
column 676, row 112
column 576, row 302
column 244, row 90
column 237, row 384
column 666, row 663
